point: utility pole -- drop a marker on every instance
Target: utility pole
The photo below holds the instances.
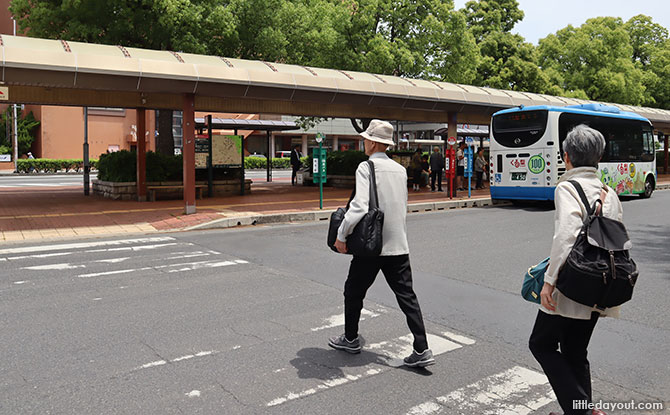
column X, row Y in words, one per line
column 16, row 128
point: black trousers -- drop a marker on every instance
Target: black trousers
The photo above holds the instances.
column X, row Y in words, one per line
column 568, row 370
column 293, row 175
column 398, row 274
column 433, row 175
column 480, row 176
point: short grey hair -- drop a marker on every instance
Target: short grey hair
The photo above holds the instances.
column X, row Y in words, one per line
column 584, row 145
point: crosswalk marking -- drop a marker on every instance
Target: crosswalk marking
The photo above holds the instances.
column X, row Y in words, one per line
column 60, row 247
column 390, row 355
column 499, row 394
column 337, row 320
column 186, row 266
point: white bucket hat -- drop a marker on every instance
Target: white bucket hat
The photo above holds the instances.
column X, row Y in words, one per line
column 379, row 131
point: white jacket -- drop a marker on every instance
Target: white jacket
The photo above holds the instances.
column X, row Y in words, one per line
column 568, row 220
column 391, row 180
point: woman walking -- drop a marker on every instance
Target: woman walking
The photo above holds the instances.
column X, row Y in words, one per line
column 563, row 327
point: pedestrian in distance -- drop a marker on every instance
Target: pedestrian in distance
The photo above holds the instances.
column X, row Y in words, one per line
column 460, row 168
column 480, row 166
column 415, row 168
column 563, row 327
column 425, row 170
column 391, row 179
column 295, row 162
column 436, row 169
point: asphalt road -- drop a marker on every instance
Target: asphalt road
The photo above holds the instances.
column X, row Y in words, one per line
column 236, row 321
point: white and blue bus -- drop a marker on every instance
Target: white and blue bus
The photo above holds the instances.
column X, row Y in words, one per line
column 527, row 147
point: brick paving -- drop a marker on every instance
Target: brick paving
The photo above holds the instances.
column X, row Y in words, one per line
column 53, row 213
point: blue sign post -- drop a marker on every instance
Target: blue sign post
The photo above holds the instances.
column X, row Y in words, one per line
column 469, row 160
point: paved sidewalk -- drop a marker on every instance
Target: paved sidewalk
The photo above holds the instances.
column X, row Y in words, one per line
column 56, row 213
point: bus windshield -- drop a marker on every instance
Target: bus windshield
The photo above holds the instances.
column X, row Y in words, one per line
column 626, row 140
column 519, row 129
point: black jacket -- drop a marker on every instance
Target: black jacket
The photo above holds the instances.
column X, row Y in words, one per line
column 295, row 159
column 436, row 161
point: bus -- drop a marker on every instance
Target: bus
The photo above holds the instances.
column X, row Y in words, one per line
column 527, row 147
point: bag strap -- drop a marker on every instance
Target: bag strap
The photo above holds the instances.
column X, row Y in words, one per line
column 582, row 195
column 374, row 201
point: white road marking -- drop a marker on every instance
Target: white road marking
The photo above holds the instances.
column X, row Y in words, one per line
column 499, row 394
column 388, row 352
column 175, row 360
column 337, row 320
column 118, row 271
column 186, row 266
column 138, row 248
column 20, row 282
column 113, row 260
column 54, row 267
column 60, row 247
column 458, row 338
column 193, row 394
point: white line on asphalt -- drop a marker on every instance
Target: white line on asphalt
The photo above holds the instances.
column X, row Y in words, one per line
column 499, row 394
column 12, row 258
column 178, row 359
column 113, row 260
column 138, row 248
column 390, row 354
column 193, row 394
column 54, row 267
column 458, row 338
column 187, row 266
column 337, row 320
column 59, row 247
column 119, row 271
column 19, row 282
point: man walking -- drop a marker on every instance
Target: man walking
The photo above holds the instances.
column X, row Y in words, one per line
column 393, row 261
column 436, row 167
column 295, row 162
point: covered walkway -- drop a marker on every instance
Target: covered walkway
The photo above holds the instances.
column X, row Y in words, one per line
column 59, row 72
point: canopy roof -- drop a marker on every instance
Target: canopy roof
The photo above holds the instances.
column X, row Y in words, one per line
column 129, row 77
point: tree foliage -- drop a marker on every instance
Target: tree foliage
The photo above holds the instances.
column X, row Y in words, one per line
column 26, row 127
column 604, row 59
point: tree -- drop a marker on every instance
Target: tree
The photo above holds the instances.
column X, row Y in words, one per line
column 595, row 60
column 179, row 25
column 489, row 16
column 507, row 61
column 26, row 126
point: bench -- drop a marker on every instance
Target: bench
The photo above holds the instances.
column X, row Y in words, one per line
column 151, row 190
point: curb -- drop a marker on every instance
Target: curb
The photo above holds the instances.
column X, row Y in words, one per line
column 319, row 215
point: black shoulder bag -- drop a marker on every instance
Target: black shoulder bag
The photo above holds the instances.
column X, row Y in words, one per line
column 366, row 238
column 599, row 270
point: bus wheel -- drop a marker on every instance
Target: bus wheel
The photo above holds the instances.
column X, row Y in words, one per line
column 648, row 188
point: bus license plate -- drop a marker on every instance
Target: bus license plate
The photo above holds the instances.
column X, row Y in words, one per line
column 519, row 176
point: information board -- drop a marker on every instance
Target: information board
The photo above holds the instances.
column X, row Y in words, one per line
column 226, row 151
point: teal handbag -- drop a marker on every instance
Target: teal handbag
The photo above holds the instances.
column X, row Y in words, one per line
column 533, row 281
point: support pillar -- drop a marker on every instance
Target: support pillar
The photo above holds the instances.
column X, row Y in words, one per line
column 665, row 153
column 336, row 143
column 273, row 147
column 268, row 160
column 188, row 151
column 141, row 155
column 305, row 149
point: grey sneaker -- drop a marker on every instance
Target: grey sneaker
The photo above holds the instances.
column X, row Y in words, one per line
column 420, row 359
column 341, row 343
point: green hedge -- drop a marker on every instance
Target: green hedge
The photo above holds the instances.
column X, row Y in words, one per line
column 121, row 166
column 277, row 163
column 342, row 163
column 52, row 166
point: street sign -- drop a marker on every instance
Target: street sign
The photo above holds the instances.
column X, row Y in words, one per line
column 451, row 141
column 469, row 141
column 319, row 170
column 319, row 138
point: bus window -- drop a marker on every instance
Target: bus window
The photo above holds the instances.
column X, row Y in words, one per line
column 624, row 139
column 649, row 150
